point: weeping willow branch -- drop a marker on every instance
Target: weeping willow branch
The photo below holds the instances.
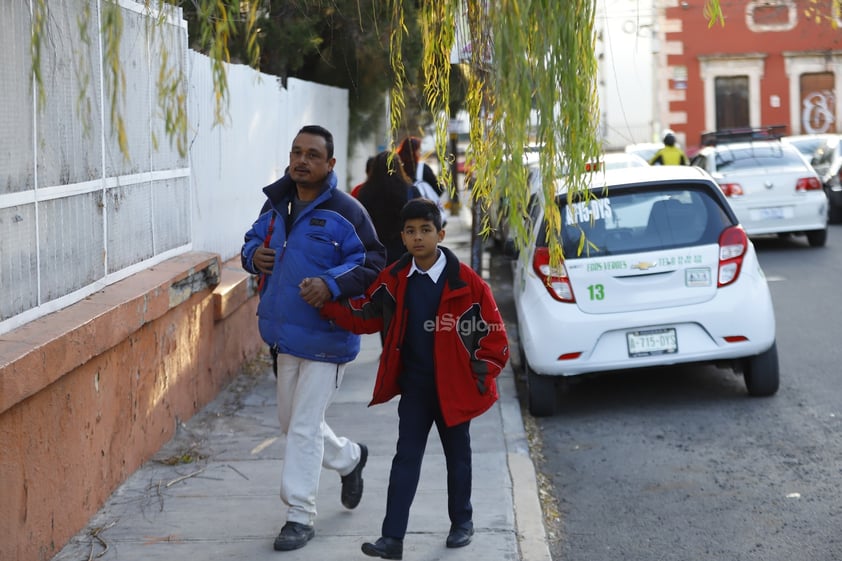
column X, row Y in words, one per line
column 39, row 33
column 112, row 29
column 437, row 28
column 713, row 13
column 397, row 101
column 83, row 77
column 531, row 79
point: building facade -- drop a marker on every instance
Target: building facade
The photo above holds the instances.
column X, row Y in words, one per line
column 772, row 63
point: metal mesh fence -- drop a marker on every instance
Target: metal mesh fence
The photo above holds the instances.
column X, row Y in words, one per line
column 76, row 213
column 16, row 154
column 75, row 209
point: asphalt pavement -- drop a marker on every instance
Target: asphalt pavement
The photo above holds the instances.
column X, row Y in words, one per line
column 212, row 492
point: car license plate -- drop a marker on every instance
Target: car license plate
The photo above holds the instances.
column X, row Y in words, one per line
column 652, row 342
column 772, row 213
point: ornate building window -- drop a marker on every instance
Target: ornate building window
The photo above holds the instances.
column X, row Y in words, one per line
column 771, row 15
column 728, row 79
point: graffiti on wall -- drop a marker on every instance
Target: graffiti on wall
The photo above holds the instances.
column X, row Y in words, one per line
column 817, row 109
column 818, row 102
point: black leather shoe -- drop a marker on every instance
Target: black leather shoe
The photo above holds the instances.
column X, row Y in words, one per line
column 460, row 536
column 385, row 548
column 294, row 536
column 352, row 484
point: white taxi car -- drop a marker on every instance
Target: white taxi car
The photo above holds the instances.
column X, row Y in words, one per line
column 665, row 275
column 771, row 186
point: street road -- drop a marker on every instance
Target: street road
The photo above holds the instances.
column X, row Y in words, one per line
column 680, row 464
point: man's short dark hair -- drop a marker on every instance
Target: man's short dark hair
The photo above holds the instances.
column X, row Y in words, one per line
column 320, row 131
column 421, row 208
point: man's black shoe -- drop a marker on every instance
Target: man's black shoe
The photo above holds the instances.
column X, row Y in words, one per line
column 460, row 536
column 352, row 484
column 385, row 548
column 294, row 536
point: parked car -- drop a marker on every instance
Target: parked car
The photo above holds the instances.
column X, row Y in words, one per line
column 645, row 150
column 498, row 211
column 771, row 186
column 825, row 154
column 617, row 160
column 807, row 144
column 657, row 271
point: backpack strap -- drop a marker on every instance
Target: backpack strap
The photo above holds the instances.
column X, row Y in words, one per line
column 262, row 280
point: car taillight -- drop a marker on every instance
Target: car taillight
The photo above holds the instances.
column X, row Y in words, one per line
column 731, row 189
column 808, row 184
column 554, row 279
column 733, row 244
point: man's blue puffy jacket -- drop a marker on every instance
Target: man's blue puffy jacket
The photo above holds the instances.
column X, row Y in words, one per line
column 333, row 239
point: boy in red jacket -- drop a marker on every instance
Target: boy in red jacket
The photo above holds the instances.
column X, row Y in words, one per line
column 444, row 346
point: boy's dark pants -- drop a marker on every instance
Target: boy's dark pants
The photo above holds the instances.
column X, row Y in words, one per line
column 417, row 411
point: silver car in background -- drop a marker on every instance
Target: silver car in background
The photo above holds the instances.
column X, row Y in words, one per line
column 771, row 186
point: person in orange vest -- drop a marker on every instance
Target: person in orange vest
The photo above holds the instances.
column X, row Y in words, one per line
column 670, row 154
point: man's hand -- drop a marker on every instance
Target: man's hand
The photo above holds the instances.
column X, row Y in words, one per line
column 264, row 259
column 314, row 291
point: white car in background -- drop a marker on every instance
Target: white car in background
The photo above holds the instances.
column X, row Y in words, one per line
column 645, row 150
column 771, row 186
column 657, row 271
column 617, row 160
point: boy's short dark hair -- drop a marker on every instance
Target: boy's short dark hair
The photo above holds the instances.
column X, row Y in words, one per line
column 320, row 131
column 421, row 208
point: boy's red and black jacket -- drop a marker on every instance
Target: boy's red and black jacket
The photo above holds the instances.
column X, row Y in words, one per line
column 470, row 349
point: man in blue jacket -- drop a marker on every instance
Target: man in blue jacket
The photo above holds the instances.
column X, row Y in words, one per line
column 311, row 244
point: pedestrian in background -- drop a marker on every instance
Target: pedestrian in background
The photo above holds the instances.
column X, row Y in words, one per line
column 670, row 154
column 445, row 345
column 368, row 165
column 311, row 243
column 383, row 195
column 419, row 173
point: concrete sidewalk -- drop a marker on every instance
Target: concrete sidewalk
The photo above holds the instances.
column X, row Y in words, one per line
column 211, row 493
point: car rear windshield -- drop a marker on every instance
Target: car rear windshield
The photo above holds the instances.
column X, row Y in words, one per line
column 630, row 221
column 753, row 158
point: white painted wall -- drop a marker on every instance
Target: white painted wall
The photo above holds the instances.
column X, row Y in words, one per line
column 626, row 40
column 231, row 163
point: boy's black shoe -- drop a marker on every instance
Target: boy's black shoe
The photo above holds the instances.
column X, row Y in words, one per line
column 460, row 536
column 352, row 484
column 294, row 536
column 385, row 548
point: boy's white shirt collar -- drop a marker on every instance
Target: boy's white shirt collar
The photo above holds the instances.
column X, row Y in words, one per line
column 435, row 271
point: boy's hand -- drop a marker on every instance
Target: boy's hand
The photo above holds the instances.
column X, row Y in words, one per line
column 314, row 291
column 264, row 259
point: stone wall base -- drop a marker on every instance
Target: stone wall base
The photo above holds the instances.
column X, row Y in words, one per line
column 89, row 393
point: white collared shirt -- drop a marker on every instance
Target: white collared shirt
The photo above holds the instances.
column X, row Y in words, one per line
column 433, row 272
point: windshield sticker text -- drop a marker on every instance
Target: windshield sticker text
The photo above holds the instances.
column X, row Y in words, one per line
column 581, row 213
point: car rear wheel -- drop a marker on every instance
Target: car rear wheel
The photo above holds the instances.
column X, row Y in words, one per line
column 761, row 373
column 541, row 392
column 817, row 238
